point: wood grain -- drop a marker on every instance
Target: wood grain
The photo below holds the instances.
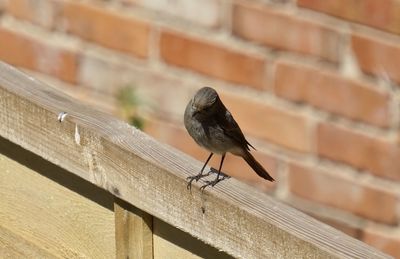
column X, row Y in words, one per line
column 50, row 217
column 238, row 219
column 14, row 246
column 133, row 232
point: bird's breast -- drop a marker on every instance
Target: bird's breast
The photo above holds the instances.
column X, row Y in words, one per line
column 210, row 136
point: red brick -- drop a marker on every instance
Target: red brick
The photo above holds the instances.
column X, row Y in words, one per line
column 363, row 152
column 330, row 92
column 364, row 201
column 377, row 57
column 41, row 12
column 173, row 135
column 389, row 244
column 234, row 166
column 30, row 53
column 269, row 123
column 285, row 32
column 106, row 27
column 211, row 59
column 381, row 14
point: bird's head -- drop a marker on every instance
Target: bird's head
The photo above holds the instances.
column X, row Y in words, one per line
column 204, row 102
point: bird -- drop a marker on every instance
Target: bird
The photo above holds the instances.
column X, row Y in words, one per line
column 213, row 127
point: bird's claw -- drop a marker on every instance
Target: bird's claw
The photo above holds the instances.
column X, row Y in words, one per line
column 213, row 183
column 195, row 178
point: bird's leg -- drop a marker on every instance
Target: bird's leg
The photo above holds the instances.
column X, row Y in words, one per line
column 217, row 179
column 200, row 175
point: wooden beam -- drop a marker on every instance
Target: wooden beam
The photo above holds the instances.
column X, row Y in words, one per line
column 232, row 216
column 133, row 231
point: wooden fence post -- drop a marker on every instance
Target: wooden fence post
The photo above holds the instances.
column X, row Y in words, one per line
column 133, row 231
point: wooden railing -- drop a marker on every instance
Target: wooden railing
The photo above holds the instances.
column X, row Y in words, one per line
column 93, row 186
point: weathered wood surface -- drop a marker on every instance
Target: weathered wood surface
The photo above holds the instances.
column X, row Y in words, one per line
column 133, row 230
column 51, row 216
column 109, row 153
column 15, row 246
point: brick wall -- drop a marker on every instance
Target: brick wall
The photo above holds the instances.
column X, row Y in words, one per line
column 314, row 85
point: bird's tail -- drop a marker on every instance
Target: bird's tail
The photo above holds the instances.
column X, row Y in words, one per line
column 257, row 167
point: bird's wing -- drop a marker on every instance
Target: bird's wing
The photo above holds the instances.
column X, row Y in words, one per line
column 232, row 129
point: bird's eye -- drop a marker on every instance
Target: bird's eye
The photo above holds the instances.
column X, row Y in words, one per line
column 206, row 109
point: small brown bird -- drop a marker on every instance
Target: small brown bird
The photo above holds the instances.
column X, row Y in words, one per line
column 212, row 126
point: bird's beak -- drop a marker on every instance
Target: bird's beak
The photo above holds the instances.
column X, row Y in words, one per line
column 195, row 110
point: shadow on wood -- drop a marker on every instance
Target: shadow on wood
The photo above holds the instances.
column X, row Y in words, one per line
column 166, row 233
column 56, row 174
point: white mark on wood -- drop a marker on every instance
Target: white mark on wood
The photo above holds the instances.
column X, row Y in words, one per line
column 77, row 135
column 96, row 171
column 61, row 116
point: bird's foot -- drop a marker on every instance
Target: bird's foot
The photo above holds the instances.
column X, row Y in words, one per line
column 195, row 178
column 214, row 182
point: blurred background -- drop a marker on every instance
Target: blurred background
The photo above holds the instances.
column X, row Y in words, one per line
column 314, row 85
